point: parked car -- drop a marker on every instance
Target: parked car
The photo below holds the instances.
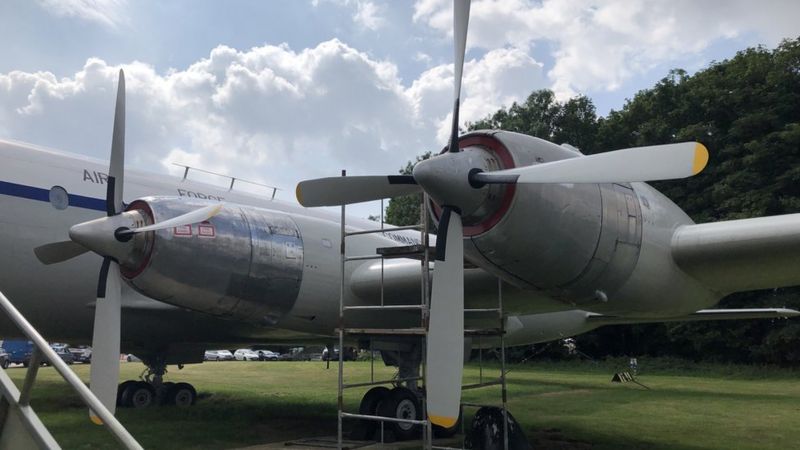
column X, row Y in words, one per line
column 218, row 355
column 132, row 358
column 62, row 350
column 81, row 353
column 245, row 354
column 267, row 355
column 19, row 352
column 4, row 359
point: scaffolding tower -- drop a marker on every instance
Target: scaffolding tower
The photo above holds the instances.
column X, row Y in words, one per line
column 421, row 252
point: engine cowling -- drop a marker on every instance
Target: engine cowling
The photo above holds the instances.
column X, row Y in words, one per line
column 577, row 242
column 245, row 263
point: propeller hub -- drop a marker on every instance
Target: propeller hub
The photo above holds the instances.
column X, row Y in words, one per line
column 103, row 236
column 446, row 178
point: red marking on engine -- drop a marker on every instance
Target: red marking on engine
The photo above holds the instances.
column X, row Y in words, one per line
column 182, row 231
column 206, row 230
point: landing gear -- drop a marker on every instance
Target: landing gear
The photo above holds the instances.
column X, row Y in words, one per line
column 402, row 403
column 138, row 395
column 152, row 389
column 181, row 395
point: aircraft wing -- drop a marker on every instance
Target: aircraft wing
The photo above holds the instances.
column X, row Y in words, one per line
column 702, row 315
column 741, row 255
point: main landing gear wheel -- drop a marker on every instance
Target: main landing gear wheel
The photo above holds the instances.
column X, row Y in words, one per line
column 402, row 403
column 121, row 389
column 181, row 395
column 370, row 404
column 487, row 431
column 138, row 395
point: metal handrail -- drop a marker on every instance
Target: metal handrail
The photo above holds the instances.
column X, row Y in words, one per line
column 109, row 421
column 233, row 179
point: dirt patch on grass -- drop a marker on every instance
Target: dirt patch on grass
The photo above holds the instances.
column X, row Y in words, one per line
column 562, row 393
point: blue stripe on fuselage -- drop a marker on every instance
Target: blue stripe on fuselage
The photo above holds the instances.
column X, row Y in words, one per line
column 43, row 195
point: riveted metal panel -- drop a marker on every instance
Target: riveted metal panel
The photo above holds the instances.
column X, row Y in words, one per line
column 617, row 250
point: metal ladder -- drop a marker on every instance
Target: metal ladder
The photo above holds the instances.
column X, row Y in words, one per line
column 421, row 251
column 20, row 427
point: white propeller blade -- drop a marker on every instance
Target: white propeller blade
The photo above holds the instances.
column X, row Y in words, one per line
column 196, row 216
column 657, row 162
column 460, row 23
column 334, row 191
column 116, row 168
column 445, row 346
column 104, row 371
column 57, row 252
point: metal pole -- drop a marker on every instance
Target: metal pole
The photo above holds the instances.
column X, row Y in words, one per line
column 503, row 361
column 30, row 377
column 427, row 434
column 340, row 397
column 382, row 259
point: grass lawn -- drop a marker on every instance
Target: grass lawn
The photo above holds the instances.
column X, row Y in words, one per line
column 563, row 406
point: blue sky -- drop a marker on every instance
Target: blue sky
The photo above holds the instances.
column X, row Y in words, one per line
column 252, row 88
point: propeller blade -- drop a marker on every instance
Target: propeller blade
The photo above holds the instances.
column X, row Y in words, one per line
column 657, row 162
column 196, row 216
column 57, row 252
column 445, row 346
column 334, row 191
column 104, row 371
column 116, row 168
column 460, row 23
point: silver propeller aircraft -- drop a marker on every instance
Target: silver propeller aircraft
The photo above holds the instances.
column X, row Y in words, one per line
column 578, row 242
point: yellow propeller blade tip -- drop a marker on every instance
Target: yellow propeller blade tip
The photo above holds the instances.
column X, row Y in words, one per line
column 700, row 158
column 95, row 420
column 442, row 421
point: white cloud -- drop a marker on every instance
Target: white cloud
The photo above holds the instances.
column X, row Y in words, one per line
column 104, row 12
column 268, row 114
column 498, row 79
column 368, row 15
column 598, row 45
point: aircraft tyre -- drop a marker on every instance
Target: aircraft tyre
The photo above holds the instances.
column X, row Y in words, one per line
column 486, row 432
column 138, row 395
column 370, row 402
column 402, row 403
column 5, row 364
column 181, row 395
column 121, row 389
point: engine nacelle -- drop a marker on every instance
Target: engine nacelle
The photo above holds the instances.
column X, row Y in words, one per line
column 577, row 242
column 245, row 263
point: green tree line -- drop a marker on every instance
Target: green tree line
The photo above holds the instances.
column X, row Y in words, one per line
column 746, row 110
